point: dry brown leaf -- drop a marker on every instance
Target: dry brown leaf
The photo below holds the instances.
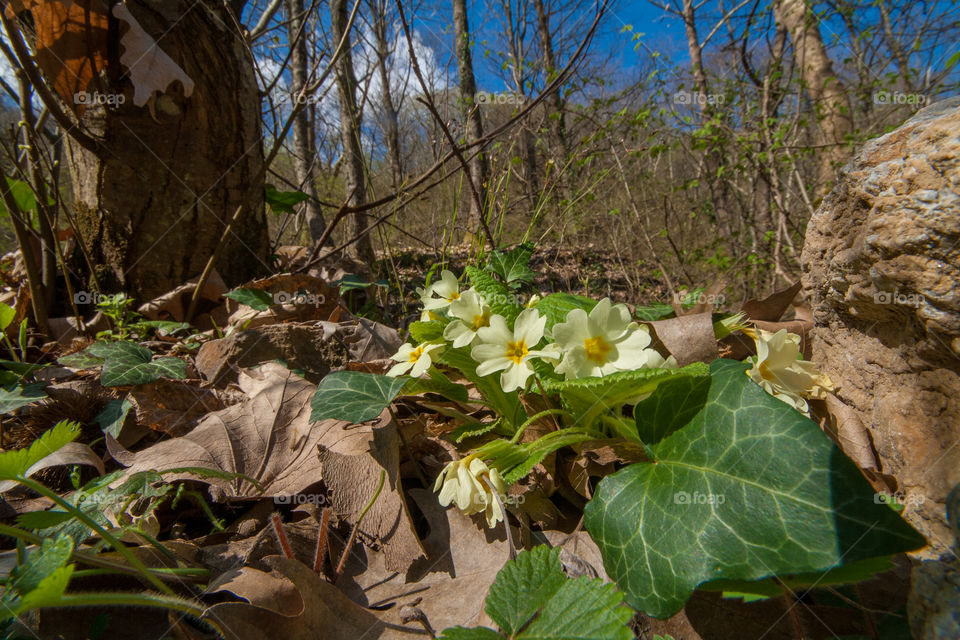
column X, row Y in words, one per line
column 771, row 308
column 174, row 305
column 324, row 612
column 172, row 406
column 268, row 437
column 352, row 457
column 598, row 458
column 265, row 590
column 848, row 432
column 688, row 338
column 150, row 69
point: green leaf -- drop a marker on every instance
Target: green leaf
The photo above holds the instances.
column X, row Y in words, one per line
column 354, row 396
column 127, row 363
column 496, row 294
column 12, row 398
column 16, row 463
column 507, row 405
column 556, row 306
column 21, row 368
column 42, row 563
column 583, row 608
column 523, row 587
column 655, row 311
column 422, row 331
column 112, row 417
column 672, row 405
column 48, row 593
column 258, row 299
column 43, row 519
column 164, row 327
column 83, row 359
column 352, row 282
column 7, row 314
column 513, row 266
column 749, row 488
column 283, row 201
column 588, row 398
column 23, row 193
column 477, row 633
column 436, row 383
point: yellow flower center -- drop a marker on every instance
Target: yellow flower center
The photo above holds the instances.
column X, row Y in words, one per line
column 416, row 353
column 516, row 351
column 482, row 320
column 597, row 349
column 454, row 296
column 765, row 372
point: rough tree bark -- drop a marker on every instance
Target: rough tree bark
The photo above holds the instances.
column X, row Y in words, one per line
column 303, row 152
column 822, row 84
column 479, row 168
column 152, row 208
column 352, row 159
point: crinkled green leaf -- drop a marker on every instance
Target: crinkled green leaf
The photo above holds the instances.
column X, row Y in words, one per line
column 354, row 396
column 512, row 266
column 427, row 331
column 523, row 587
column 127, row 363
column 556, row 306
column 749, row 488
column 653, row 312
column 501, row 299
column 587, row 398
column 53, row 554
column 582, row 608
column 17, row 396
column 257, row 299
column 16, row 463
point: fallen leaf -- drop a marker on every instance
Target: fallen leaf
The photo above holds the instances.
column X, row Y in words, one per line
column 848, row 431
column 268, row 437
column 174, row 304
column 771, row 308
column 173, row 406
column 352, row 458
column 689, row 338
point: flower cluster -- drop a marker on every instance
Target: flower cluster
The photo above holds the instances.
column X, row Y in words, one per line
column 604, row 341
column 473, row 487
column 782, row 373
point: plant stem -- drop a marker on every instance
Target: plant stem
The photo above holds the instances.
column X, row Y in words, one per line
column 356, row 527
column 121, row 548
column 534, row 418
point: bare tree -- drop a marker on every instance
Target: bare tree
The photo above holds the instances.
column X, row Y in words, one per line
column 352, row 154
column 383, row 49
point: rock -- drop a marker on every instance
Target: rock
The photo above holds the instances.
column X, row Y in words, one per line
column 881, row 266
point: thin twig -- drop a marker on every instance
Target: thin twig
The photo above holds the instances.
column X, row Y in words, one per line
column 356, row 527
column 281, row 535
column 322, row 541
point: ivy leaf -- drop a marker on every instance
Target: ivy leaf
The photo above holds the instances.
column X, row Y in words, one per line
column 257, row 299
column 532, row 599
column 674, row 403
column 354, row 396
column 283, row 201
column 20, row 395
column 436, row 383
column 749, row 488
column 83, row 359
column 512, row 266
column 16, row 463
column 556, row 306
column 112, row 417
column 127, row 363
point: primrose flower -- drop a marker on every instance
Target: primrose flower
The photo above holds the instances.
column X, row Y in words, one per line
column 440, row 294
column 604, row 342
column 782, row 374
column 470, row 484
column 472, row 314
column 414, row 359
column 510, row 351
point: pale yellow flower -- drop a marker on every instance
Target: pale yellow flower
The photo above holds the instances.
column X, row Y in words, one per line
column 414, row 359
column 471, row 313
column 470, row 484
column 500, row 349
column 782, row 374
column 440, row 294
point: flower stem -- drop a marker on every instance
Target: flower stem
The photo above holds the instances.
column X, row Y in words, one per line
column 534, row 418
column 356, row 526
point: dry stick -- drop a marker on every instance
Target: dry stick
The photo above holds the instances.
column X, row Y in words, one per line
column 356, row 527
column 322, row 541
column 427, row 101
column 282, row 539
column 257, row 182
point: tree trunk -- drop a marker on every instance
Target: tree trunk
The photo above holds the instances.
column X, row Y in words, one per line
column 528, row 149
column 355, row 174
column 391, row 114
column 154, row 206
column 303, row 152
column 558, row 125
column 824, row 88
column 479, row 169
